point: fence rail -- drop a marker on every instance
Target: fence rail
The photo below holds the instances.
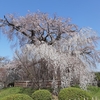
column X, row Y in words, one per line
column 93, row 98
column 47, row 83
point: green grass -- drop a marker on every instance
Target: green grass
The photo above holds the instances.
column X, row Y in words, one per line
column 94, row 91
column 8, row 91
column 15, row 90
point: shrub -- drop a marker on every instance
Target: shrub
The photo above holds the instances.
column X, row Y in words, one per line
column 49, row 89
column 27, row 91
column 8, row 91
column 15, row 90
column 73, row 93
column 42, row 95
column 17, row 97
column 76, row 86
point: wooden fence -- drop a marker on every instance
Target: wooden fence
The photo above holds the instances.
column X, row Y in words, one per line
column 93, row 98
column 46, row 83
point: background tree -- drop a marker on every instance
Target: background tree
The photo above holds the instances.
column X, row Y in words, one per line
column 97, row 78
column 7, row 71
column 3, row 76
column 4, row 61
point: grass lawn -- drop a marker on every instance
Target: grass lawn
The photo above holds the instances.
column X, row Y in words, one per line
column 8, row 91
column 94, row 91
column 15, row 90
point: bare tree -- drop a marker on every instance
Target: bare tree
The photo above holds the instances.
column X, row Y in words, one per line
column 4, row 61
column 32, row 68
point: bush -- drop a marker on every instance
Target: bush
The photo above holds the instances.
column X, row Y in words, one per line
column 17, row 97
column 76, row 86
column 15, row 90
column 49, row 89
column 27, row 91
column 8, row 91
column 42, row 95
column 73, row 93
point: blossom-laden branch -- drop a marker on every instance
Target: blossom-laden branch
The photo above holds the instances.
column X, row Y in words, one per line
column 37, row 27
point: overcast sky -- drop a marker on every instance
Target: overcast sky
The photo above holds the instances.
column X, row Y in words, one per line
column 83, row 13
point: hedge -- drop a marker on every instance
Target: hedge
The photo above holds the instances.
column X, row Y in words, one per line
column 73, row 93
column 42, row 95
column 17, row 97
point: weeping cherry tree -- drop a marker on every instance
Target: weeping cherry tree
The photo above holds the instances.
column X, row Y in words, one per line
column 71, row 50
